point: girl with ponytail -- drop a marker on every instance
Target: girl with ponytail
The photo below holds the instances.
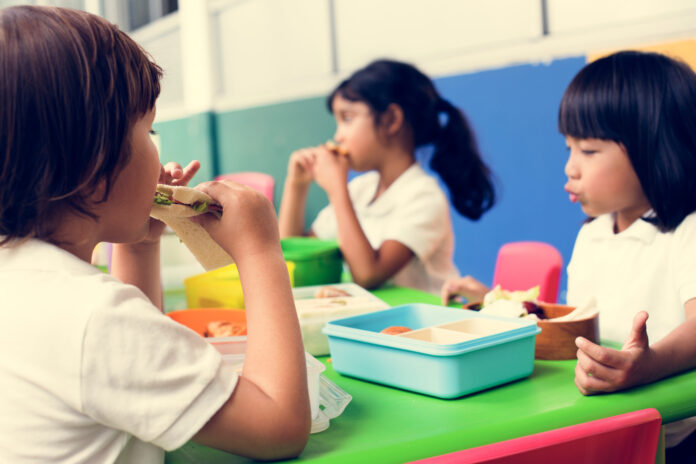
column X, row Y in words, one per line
column 393, row 222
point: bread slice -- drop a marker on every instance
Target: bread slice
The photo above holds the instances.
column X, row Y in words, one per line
column 186, row 203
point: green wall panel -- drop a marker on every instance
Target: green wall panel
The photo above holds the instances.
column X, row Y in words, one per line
column 184, row 140
column 262, row 138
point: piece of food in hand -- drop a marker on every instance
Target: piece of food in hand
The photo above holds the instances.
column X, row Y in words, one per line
column 339, row 150
column 175, row 205
column 330, row 292
column 395, row 330
column 225, row 329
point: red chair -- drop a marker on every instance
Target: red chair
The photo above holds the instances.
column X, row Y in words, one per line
column 627, row 438
column 522, row 265
column 260, row 181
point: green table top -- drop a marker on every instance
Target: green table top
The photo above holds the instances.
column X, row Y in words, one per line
column 384, row 424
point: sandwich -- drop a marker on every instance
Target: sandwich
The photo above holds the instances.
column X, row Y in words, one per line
column 337, row 149
column 175, row 205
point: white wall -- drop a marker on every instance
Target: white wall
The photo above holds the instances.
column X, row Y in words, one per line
column 267, row 51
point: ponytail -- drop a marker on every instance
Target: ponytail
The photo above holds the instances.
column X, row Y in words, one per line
column 456, row 157
column 457, row 161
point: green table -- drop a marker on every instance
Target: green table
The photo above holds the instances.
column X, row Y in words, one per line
column 387, row 425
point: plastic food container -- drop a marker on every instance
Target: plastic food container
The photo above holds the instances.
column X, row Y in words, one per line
column 233, row 351
column 220, row 288
column 314, row 312
column 316, row 261
column 449, row 353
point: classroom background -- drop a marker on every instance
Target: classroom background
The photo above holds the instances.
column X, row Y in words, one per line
column 245, row 83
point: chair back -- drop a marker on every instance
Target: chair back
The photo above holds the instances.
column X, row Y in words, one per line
column 631, row 437
column 522, row 265
column 260, row 181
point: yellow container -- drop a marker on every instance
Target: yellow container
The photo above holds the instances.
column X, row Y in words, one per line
column 220, row 288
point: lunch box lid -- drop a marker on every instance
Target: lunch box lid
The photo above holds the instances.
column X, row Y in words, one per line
column 353, row 328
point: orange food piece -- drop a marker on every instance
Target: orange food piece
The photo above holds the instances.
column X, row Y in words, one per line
column 225, row 329
column 395, row 330
column 330, row 292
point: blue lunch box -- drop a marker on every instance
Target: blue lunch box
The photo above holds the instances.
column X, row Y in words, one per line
column 448, row 353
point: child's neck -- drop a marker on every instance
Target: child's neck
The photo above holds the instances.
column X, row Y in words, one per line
column 74, row 235
column 397, row 163
column 624, row 219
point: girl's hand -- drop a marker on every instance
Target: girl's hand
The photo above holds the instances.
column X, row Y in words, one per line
column 601, row 369
column 330, row 170
column 171, row 174
column 301, row 167
column 468, row 287
column 248, row 225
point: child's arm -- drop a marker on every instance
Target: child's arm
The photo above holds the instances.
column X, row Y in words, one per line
column 139, row 263
column 601, row 369
column 369, row 267
column 292, row 205
column 467, row 286
column 267, row 416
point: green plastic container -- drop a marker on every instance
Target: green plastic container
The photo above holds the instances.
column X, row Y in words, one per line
column 316, row 261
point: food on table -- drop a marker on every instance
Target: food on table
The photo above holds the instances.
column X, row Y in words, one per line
column 330, row 292
column 175, row 205
column 395, row 330
column 225, row 329
column 521, row 303
column 339, row 150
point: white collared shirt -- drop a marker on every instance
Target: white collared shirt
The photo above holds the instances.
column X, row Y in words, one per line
column 413, row 211
column 637, row 269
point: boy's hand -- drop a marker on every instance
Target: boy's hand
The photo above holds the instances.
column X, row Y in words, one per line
column 248, row 224
column 468, row 287
column 170, row 174
column 301, row 167
column 601, row 369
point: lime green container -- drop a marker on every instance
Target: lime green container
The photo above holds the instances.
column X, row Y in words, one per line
column 316, row 261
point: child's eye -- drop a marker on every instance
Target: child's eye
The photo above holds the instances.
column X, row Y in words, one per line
column 153, row 132
column 589, row 152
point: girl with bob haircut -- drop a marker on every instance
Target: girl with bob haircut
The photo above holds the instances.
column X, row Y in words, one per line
column 630, row 125
column 393, row 222
column 96, row 372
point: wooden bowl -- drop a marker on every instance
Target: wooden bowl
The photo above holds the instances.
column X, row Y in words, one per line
column 556, row 341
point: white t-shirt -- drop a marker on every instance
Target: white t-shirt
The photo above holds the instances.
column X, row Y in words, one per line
column 638, row 269
column 413, row 211
column 90, row 370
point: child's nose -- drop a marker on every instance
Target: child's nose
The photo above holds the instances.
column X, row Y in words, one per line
column 571, row 168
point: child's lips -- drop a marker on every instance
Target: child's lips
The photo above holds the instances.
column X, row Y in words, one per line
column 572, row 195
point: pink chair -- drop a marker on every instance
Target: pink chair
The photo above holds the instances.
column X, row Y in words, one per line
column 522, row 265
column 627, row 438
column 260, row 181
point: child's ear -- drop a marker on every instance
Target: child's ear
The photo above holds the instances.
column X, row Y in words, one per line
column 392, row 119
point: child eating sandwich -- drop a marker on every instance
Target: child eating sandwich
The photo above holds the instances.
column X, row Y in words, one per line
column 104, row 376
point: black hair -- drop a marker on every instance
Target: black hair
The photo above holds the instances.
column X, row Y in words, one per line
column 433, row 120
column 647, row 103
column 71, row 87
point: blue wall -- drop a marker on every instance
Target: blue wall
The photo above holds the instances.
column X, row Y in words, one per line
column 514, row 111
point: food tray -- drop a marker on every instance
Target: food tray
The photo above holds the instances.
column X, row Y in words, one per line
column 314, row 313
column 449, row 353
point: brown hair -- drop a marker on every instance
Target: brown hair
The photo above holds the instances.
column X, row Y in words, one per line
column 71, row 87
